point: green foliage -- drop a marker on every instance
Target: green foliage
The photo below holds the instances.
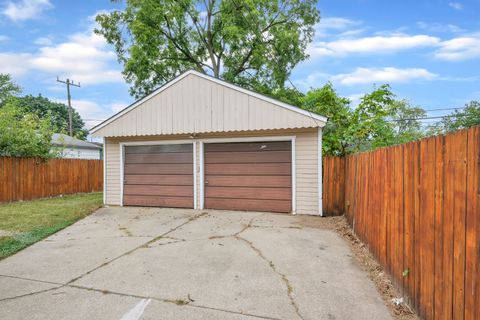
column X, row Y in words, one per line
column 379, row 120
column 406, row 127
column 55, row 111
column 7, row 87
column 23, row 134
column 253, row 43
column 336, row 133
column 459, row 119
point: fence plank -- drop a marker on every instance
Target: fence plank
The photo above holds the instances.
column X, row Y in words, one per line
column 416, row 206
column 29, row 178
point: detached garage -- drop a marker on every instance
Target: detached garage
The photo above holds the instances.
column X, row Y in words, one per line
column 200, row 142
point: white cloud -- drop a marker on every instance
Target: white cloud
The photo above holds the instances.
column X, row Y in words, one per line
column 355, row 99
column 16, row 64
column 43, row 41
column 377, row 44
column 25, row 9
column 455, row 5
column 313, row 80
column 3, row 38
column 439, row 27
column 83, row 57
column 334, row 23
column 388, row 74
column 92, row 112
column 461, row 48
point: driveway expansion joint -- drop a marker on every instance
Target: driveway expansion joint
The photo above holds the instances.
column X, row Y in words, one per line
column 190, row 219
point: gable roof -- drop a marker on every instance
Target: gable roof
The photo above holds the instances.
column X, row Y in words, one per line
column 315, row 119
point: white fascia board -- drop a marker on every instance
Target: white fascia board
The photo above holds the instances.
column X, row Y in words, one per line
column 321, row 119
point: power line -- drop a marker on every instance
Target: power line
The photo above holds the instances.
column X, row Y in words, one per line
column 429, row 118
column 70, row 112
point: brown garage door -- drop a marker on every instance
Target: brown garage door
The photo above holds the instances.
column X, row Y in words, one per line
column 249, row 176
column 159, row 176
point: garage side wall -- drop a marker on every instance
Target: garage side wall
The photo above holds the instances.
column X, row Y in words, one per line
column 306, row 147
column 306, row 165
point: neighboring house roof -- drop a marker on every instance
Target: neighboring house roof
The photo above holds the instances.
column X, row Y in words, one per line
column 59, row 139
column 197, row 103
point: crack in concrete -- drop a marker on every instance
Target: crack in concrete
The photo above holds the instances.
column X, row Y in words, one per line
column 274, row 269
column 173, row 301
column 190, row 219
column 31, row 293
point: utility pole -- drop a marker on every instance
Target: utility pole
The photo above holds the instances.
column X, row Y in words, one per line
column 70, row 112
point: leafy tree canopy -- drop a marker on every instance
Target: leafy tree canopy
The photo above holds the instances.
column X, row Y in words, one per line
column 253, row 43
column 24, row 134
column 7, row 87
column 467, row 117
column 57, row 112
column 379, row 120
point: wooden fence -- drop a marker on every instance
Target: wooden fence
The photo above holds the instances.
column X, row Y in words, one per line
column 29, row 178
column 417, row 207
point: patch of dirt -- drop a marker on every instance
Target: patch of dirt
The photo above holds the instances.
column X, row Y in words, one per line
column 382, row 281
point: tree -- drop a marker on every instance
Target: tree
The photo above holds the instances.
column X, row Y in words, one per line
column 57, row 112
column 370, row 126
column 336, row 133
column 7, row 87
column 254, row 43
column 379, row 120
column 24, row 134
column 407, row 127
column 460, row 119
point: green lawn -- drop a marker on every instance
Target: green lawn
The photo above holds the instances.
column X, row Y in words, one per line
column 24, row 223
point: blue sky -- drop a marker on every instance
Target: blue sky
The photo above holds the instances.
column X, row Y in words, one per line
column 429, row 51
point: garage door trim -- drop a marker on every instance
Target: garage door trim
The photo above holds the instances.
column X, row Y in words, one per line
column 153, row 143
column 246, row 139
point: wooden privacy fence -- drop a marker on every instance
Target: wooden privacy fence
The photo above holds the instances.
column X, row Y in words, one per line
column 417, row 207
column 30, row 178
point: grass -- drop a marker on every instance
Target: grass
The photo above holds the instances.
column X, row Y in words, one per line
column 24, row 223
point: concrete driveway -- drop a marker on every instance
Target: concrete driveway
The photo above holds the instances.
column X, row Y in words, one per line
column 149, row 263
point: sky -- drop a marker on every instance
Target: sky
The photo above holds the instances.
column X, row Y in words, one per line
column 427, row 50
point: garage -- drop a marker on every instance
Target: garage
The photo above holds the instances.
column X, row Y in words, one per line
column 203, row 143
column 159, row 175
column 255, row 176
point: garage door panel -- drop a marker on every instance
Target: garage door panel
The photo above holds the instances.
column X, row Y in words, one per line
column 250, row 205
column 146, row 201
column 159, row 179
column 249, row 169
column 179, row 157
column 249, row 193
column 159, row 148
column 248, row 176
column 248, row 146
column 249, row 157
column 249, row 181
column 151, row 168
column 159, row 175
column 180, row 191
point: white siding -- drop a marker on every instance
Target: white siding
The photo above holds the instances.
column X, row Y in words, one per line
column 198, row 105
column 80, row 153
column 112, row 172
column 306, row 165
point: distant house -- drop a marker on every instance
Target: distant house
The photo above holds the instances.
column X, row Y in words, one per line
column 72, row 148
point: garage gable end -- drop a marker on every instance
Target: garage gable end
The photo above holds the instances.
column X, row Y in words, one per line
column 197, row 103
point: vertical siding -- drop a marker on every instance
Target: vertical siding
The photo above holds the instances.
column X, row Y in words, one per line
column 112, row 173
column 195, row 104
column 306, row 167
column 306, row 172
